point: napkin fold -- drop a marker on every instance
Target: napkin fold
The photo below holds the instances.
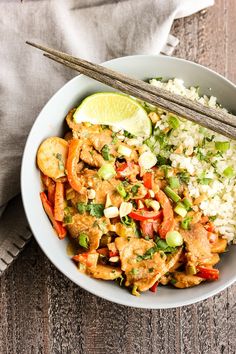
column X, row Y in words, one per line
column 96, row 30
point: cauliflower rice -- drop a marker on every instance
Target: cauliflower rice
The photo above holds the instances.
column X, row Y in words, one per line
column 193, row 149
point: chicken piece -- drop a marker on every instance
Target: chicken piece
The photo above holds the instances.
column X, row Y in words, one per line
column 139, row 271
column 70, row 121
column 98, row 140
column 89, row 225
column 219, row 246
column 215, row 258
column 197, row 245
column 104, row 272
column 183, row 280
column 91, row 156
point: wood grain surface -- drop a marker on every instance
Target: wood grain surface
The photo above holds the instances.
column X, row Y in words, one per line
column 41, row 311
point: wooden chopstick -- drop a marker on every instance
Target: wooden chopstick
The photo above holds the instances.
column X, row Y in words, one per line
column 214, row 119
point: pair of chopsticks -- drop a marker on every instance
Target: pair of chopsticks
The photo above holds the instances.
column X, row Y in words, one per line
column 214, row 119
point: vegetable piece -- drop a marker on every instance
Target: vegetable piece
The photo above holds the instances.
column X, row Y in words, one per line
column 180, row 210
column 111, row 212
column 148, row 180
column 71, row 164
column 135, row 291
column 57, row 225
column 154, row 287
column 185, row 224
column 174, row 182
column 222, row 146
column 187, row 203
column 59, row 202
column 163, row 246
column 147, row 160
column 51, row 192
column 106, row 152
column 96, row 210
column 51, row 157
column 124, row 150
column 168, row 215
column 83, row 240
column 125, row 209
column 174, row 122
column 208, row 273
column 174, row 239
column 145, row 215
column 172, row 195
column 121, row 190
column 228, row 172
column 126, row 169
column 106, row 172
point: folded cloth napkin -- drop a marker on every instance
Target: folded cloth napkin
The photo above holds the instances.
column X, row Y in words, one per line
column 92, row 29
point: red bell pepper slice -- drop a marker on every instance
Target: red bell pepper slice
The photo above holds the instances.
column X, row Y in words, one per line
column 154, row 287
column 71, row 164
column 208, row 273
column 126, row 169
column 142, row 215
column 57, row 225
column 148, row 180
column 168, row 214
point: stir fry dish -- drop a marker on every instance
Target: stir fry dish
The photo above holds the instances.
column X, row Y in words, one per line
column 126, row 207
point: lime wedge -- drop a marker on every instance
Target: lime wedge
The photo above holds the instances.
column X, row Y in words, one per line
column 115, row 109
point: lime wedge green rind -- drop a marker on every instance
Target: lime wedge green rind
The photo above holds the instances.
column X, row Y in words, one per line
column 114, row 109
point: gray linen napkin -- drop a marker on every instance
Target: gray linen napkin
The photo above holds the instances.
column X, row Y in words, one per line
column 92, row 29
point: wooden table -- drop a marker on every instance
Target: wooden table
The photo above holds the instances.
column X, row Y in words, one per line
column 43, row 312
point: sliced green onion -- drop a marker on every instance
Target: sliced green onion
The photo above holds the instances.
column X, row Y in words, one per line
column 180, row 210
column 185, row 224
column 107, row 171
column 174, row 182
column 106, row 152
column 222, row 146
column 83, row 240
column 187, row 203
column 174, row 122
column 174, row 239
column 171, row 194
column 228, row 172
column 124, row 150
column 121, row 190
column 205, row 181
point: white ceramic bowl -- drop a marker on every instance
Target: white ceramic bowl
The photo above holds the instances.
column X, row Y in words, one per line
column 51, row 122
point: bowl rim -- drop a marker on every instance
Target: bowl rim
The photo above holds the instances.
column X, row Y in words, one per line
column 42, row 245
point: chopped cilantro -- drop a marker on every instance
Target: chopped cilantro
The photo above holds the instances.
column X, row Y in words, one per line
column 135, row 189
column 126, row 220
column 67, row 219
column 212, row 218
column 184, row 176
column 161, row 160
column 128, row 135
column 81, row 208
column 95, row 210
